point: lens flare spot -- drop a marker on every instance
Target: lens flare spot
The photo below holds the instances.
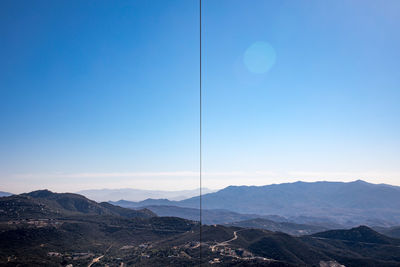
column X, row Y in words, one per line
column 260, row 57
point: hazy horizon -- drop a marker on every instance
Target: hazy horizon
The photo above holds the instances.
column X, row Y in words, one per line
column 94, row 188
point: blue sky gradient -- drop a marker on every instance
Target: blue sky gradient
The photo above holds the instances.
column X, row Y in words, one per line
column 100, row 94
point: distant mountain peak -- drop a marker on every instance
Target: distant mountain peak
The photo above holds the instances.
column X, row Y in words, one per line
column 44, row 193
column 359, row 181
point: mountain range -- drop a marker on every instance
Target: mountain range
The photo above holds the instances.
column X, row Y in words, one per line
column 321, row 203
column 43, row 228
column 225, row 217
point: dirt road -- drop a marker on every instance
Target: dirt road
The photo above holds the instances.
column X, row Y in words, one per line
column 224, row 243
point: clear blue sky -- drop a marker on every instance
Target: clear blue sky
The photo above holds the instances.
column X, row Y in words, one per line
column 98, row 94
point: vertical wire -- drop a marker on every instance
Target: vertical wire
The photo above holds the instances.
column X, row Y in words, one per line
column 200, row 141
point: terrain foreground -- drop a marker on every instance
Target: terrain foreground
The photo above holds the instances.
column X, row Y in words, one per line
column 42, row 228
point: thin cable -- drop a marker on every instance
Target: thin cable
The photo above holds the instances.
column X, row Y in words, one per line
column 200, row 141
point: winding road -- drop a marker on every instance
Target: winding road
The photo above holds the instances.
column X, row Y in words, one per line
column 224, row 243
column 97, row 259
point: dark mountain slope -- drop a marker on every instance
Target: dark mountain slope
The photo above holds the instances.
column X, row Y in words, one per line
column 311, row 250
column 283, row 247
column 46, row 204
column 360, row 234
column 129, row 213
column 360, row 246
column 31, row 244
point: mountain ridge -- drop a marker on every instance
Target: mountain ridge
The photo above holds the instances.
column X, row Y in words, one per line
column 44, row 203
column 349, row 204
